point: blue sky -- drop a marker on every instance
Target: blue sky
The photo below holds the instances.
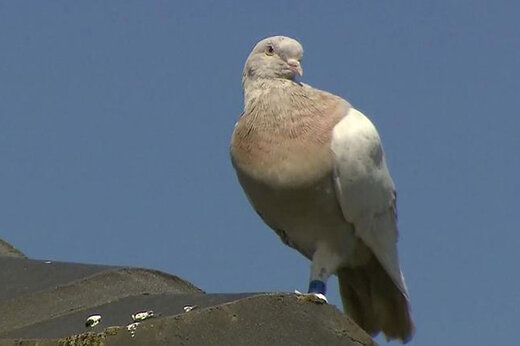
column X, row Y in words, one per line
column 115, row 120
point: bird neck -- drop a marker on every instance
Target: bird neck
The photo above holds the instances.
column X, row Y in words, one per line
column 258, row 89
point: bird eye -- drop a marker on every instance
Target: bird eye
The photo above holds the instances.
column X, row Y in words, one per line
column 269, row 50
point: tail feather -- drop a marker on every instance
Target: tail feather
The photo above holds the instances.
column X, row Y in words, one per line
column 373, row 301
column 355, row 294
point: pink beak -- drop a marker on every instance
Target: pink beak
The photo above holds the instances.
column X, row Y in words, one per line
column 295, row 66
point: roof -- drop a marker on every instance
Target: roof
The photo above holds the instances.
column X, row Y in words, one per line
column 46, row 303
column 8, row 250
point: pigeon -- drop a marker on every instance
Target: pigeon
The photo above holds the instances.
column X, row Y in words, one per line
column 313, row 168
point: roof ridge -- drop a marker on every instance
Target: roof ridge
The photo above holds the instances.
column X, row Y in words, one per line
column 8, row 250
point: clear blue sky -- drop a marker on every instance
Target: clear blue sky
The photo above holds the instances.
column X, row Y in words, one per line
column 115, row 120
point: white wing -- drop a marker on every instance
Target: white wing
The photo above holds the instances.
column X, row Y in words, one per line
column 365, row 189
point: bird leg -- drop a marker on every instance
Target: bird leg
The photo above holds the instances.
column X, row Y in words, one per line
column 317, row 286
column 324, row 264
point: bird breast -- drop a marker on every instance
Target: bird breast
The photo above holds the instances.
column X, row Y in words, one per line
column 283, row 138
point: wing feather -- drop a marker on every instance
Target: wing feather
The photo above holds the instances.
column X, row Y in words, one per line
column 366, row 191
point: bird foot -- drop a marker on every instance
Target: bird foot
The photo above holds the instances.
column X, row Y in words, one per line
column 317, row 298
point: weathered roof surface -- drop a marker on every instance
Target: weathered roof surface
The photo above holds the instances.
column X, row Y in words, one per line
column 36, row 291
column 46, row 303
column 118, row 313
column 8, row 250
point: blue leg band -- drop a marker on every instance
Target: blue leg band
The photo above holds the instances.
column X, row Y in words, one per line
column 317, row 286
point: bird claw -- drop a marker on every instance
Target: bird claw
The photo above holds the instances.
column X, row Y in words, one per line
column 317, row 298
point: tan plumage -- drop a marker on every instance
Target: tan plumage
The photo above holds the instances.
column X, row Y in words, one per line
column 314, row 170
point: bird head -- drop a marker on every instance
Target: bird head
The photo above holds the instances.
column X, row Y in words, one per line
column 274, row 57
